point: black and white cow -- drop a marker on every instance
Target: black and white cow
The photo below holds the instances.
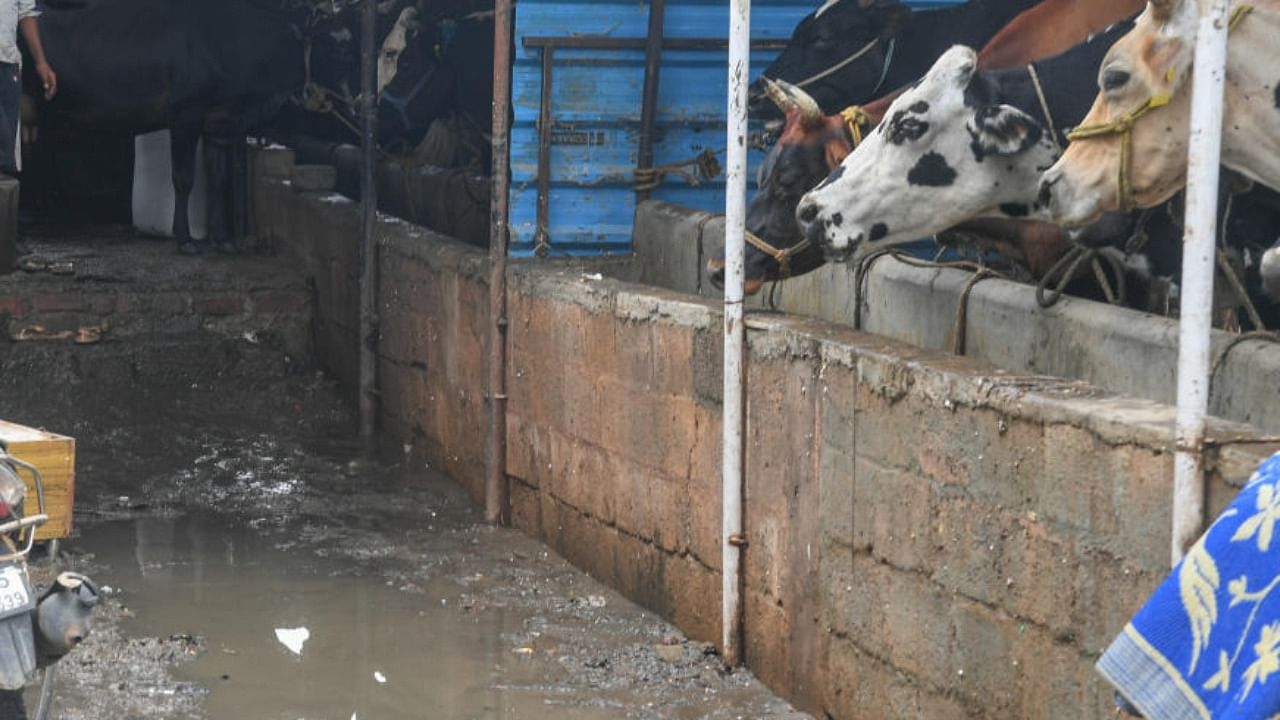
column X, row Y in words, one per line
column 960, row 144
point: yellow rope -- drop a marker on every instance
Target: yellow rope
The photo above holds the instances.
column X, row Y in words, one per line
column 855, row 118
column 1123, row 126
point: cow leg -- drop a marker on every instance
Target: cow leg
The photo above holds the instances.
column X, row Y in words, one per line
column 182, row 153
column 217, row 163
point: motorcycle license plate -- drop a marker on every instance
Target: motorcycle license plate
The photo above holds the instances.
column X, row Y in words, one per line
column 15, row 594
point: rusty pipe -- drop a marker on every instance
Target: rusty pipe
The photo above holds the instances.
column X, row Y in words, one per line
column 649, row 101
column 495, row 484
column 368, row 384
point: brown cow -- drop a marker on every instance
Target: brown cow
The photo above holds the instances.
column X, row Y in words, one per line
column 1145, row 86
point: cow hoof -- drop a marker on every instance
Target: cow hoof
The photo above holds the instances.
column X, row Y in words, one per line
column 226, row 247
column 189, row 248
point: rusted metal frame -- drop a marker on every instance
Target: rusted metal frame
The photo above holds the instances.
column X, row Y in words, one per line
column 649, row 96
column 542, row 236
column 368, row 382
column 496, row 503
column 546, row 118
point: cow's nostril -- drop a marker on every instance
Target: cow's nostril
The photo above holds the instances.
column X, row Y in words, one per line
column 1046, row 189
column 808, row 213
column 816, row 234
column 716, row 276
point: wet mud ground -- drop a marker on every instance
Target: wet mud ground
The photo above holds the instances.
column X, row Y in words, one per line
column 213, row 511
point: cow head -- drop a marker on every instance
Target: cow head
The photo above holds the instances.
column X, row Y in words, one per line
column 945, row 152
column 400, row 38
column 810, row 146
column 415, row 83
column 1140, row 87
column 827, row 40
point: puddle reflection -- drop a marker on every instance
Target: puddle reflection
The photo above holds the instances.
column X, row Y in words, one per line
column 202, row 576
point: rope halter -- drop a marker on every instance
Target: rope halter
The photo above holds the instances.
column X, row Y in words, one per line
column 840, row 65
column 1123, row 126
column 855, row 119
column 782, row 256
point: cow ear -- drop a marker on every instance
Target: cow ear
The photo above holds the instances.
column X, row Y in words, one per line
column 836, row 151
column 1003, row 130
column 1159, row 56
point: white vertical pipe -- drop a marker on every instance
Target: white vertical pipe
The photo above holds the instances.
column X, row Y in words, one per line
column 735, row 210
column 1198, row 251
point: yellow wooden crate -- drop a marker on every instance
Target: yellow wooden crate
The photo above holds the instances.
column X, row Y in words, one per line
column 55, row 457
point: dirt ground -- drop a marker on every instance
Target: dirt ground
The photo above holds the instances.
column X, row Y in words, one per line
column 216, row 506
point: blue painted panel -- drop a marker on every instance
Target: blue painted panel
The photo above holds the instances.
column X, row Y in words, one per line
column 596, row 98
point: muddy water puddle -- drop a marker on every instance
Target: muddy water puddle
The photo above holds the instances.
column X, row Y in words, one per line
column 222, row 511
column 373, row 651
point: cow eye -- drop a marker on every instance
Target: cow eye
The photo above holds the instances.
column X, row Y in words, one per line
column 1114, row 79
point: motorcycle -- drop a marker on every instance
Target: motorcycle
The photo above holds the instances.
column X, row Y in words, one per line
column 35, row 630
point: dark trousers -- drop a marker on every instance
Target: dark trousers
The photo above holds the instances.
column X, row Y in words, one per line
column 10, row 103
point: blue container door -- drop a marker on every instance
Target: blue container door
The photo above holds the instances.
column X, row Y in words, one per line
column 596, row 100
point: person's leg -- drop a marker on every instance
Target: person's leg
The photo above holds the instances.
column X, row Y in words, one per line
column 10, row 102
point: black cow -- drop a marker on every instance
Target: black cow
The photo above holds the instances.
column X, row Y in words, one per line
column 190, row 66
column 413, row 86
column 219, row 69
column 461, row 88
column 457, row 80
column 849, row 51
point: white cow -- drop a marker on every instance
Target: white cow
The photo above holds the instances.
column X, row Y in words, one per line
column 961, row 144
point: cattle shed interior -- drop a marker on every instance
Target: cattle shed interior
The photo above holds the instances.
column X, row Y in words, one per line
column 955, row 493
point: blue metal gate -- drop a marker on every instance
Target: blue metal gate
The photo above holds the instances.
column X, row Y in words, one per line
column 595, row 106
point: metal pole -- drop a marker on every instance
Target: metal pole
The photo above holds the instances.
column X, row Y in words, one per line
column 735, row 210
column 495, row 484
column 368, row 399
column 649, row 101
column 1198, row 246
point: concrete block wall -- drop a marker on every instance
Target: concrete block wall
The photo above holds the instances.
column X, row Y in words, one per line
column 1117, row 349
column 928, row 536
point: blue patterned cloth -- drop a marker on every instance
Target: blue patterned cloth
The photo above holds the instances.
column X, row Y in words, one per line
column 1207, row 643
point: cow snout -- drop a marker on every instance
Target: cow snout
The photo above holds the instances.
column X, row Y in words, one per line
column 1070, row 202
column 759, row 105
column 1047, row 181
column 715, row 273
column 816, row 233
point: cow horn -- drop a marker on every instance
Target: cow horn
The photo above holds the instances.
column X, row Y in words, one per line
column 802, row 101
column 777, row 95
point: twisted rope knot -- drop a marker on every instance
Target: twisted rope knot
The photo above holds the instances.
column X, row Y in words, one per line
column 705, row 167
column 855, row 118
